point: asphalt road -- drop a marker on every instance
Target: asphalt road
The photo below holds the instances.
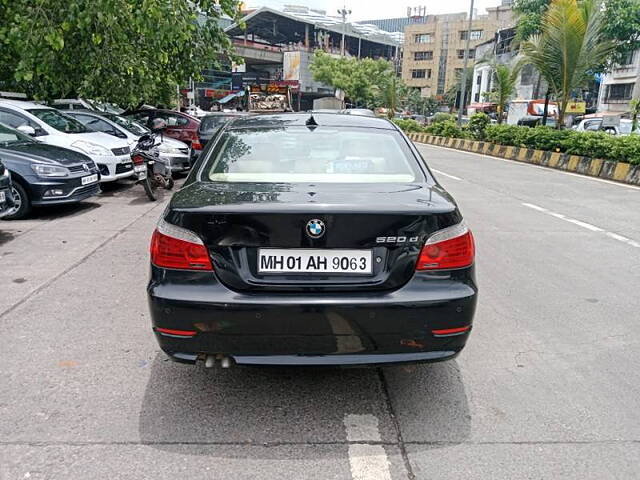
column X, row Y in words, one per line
column 547, row 388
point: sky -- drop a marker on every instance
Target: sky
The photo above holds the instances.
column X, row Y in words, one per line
column 376, row 9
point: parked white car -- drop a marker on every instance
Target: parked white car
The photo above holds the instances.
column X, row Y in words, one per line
column 50, row 126
column 173, row 153
column 85, row 104
column 594, row 124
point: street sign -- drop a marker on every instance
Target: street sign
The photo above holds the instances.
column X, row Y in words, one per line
column 576, row 108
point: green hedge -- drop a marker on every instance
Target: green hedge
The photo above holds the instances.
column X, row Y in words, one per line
column 588, row 144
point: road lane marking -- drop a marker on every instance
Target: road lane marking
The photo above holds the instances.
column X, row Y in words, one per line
column 582, row 224
column 548, row 169
column 623, row 239
column 367, row 462
column 439, row 172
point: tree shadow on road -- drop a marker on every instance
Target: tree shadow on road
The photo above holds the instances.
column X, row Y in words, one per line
column 274, row 406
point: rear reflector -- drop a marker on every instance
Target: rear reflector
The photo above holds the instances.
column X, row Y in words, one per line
column 447, row 332
column 137, row 159
column 176, row 333
column 452, row 247
column 178, row 248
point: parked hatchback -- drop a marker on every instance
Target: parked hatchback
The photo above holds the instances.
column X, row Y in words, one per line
column 44, row 174
column 172, row 152
column 312, row 240
column 180, row 126
column 53, row 127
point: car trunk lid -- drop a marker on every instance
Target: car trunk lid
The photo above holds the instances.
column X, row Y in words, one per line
column 236, row 221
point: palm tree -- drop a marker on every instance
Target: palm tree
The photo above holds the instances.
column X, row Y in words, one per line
column 505, row 78
column 569, row 47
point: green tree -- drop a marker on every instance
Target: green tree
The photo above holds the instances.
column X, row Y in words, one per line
column 569, row 47
column 505, row 79
column 124, row 51
column 621, row 24
column 362, row 80
column 634, row 106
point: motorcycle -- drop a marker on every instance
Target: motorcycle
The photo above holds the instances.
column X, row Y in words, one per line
column 151, row 171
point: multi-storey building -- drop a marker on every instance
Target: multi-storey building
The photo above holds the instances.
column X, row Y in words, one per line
column 620, row 86
column 434, row 50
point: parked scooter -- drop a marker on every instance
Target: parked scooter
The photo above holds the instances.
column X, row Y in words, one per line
column 152, row 172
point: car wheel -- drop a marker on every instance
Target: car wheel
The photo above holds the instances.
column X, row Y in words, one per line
column 22, row 203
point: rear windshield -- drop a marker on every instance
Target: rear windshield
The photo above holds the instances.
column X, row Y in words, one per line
column 320, row 155
column 213, row 122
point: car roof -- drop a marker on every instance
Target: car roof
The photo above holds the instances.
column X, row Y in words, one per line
column 301, row 119
column 23, row 104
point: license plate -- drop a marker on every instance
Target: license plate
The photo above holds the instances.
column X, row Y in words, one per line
column 140, row 168
column 276, row 260
column 89, row 179
column 142, row 174
column 3, row 197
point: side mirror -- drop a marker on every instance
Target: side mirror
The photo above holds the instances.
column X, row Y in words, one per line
column 27, row 130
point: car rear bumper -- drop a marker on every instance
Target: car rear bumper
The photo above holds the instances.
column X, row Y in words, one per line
column 311, row 329
column 176, row 163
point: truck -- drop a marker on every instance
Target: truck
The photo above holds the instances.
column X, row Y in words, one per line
column 268, row 98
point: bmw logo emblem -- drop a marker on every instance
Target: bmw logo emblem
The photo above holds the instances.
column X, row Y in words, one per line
column 315, row 228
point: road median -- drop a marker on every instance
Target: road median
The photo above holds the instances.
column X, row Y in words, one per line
column 592, row 167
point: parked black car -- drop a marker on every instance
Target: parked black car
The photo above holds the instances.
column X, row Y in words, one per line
column 312, row 239
column 45, row 174
column 6, row 199
column 210, row 125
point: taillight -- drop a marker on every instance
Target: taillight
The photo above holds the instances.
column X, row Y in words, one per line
column 137, row 159
column 178, row 248
column 195, row 142
column 449, row 248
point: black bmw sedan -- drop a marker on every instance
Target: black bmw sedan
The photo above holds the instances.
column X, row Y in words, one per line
column 312, row 240
column 44, row 174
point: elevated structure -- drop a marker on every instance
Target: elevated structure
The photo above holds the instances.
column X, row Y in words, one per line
column 277, row 47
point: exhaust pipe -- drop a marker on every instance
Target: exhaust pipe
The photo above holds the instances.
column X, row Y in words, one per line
column 225, row 362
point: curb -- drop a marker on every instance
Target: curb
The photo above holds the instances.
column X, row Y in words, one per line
column 592, row 167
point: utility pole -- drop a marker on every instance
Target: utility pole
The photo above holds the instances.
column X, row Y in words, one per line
column 343, row 12
column 463, row 87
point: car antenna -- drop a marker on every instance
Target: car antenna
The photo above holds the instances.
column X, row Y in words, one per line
column 311, row 122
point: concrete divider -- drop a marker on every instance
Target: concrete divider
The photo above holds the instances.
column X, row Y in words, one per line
column 593, row 167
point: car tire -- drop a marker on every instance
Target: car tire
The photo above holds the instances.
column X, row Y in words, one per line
column 22, row 202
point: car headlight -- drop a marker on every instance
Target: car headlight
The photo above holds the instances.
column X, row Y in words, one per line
column 50, row 171
column 91, row 148
column 162, row 148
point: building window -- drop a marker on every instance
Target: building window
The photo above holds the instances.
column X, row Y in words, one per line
column 476, row 97
column 627, row 60
column 417, row 56
column 421, row 73
column 619, row 92
column 479, row 79
column 458, row 73
column 472, row 53
column 475, row 34
column 423, row 38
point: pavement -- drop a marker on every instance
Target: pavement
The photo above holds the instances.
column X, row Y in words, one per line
column 548, row 386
